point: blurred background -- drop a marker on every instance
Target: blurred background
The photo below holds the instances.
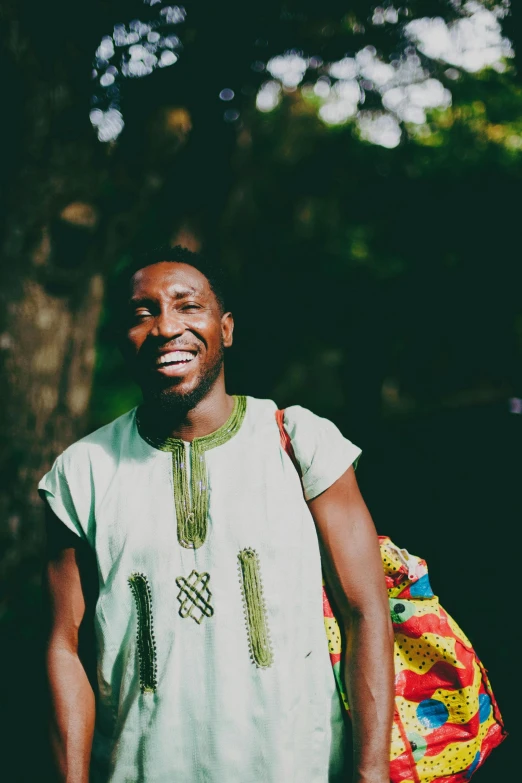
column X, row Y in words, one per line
column 357, row 168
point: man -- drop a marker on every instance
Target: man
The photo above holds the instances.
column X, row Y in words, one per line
column 212, row 659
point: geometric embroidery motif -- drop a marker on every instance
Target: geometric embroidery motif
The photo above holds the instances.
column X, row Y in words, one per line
column 194, row 596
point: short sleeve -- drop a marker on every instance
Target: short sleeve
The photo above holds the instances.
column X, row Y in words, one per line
column 55, row 488
column 322, row 452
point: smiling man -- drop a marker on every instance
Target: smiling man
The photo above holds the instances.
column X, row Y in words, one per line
column 182, row 536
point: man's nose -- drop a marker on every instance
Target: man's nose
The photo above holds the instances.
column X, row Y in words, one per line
column 168, row 324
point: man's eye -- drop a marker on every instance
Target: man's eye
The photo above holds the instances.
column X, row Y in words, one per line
column 190, row 306
column 139, row 314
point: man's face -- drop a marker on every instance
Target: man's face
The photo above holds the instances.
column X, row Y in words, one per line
column 176, row 333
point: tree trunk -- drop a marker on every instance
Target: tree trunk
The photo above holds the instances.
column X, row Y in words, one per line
column 47, row 347
column 69, row 205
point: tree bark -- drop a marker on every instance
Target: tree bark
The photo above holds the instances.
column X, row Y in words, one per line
column 47, row 360
column 51, row 235
column 68, row 206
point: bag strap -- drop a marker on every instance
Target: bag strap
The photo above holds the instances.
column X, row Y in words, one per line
column 286, row 443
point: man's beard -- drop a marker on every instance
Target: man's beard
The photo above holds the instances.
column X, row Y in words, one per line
column 167, row 402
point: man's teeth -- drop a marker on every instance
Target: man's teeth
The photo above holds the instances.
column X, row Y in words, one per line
column 175, row 356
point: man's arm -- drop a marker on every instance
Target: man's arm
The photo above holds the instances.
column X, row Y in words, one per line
column 72, row 697
column 355, row 568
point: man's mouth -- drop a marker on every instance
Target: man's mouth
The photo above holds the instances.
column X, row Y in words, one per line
column 174, row 361
column 175, row 357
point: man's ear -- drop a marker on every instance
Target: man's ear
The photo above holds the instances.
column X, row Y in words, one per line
column 227, row 329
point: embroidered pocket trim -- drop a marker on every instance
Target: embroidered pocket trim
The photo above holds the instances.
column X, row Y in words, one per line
column 139, row 584
column 255, row 609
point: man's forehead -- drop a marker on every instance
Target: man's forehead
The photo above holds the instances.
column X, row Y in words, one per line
column 169, row 278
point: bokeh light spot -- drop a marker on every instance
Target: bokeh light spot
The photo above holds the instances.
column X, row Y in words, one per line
column 288, row 68
column 268, row 96
column 231, row 115
column 226, row 94
column 167, row 58
column 106, row 79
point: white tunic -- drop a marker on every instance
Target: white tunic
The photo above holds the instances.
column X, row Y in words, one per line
column 215, row 716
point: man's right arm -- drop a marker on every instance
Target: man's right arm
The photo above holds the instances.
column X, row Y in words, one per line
column 72, row 697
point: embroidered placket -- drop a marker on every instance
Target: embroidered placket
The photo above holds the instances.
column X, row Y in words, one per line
column 191, row 497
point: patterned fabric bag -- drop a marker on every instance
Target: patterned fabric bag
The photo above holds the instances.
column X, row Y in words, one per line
column 446, row 720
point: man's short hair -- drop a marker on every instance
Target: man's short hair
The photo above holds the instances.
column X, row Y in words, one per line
column 181, row 255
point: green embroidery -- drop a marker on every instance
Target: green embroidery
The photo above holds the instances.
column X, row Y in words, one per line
column 192, row 503
column 145, row 637
column 255, row 610
column 194, row 596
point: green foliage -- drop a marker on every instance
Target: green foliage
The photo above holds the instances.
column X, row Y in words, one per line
column 375, row 279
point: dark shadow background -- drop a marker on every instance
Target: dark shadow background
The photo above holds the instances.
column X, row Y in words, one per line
column 378, row 287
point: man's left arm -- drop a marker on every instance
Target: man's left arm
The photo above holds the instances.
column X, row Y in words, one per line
column 356, row 574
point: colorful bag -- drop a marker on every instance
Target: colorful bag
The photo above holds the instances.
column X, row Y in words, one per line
column 446, row 720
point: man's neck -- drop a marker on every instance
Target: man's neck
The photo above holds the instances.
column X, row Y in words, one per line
column 206, row 417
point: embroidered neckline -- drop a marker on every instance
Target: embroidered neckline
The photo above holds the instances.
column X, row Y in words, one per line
column 205, row 442
column 192, row 503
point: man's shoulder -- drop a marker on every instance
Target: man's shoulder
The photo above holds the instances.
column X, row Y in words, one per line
column 259, row 413
column 105, row 440
column 299, row 415
column 259, row 405
column 265, row 409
